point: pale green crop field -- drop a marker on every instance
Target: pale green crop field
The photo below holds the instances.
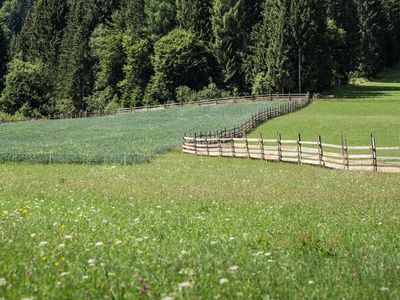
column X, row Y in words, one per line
column 138, row 137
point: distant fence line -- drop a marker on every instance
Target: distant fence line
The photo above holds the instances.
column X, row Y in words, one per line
column 342, row 157
column 294, row 103
column 146, row 108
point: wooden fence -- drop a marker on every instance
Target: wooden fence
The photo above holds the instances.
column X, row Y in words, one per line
column 146, row 108
column 291, row 105
column 342, row 157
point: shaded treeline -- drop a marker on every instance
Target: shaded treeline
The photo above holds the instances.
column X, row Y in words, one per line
column 60, row 56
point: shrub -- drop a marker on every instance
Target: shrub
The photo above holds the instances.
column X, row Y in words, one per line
column 180, row 59
column 26, row 89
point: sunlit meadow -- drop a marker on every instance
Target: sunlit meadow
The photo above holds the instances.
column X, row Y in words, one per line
column 184, row 227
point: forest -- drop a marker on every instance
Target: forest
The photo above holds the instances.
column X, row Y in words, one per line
column 60, row 56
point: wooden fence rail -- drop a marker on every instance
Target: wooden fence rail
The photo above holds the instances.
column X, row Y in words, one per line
column 291, row 104
column 203, row 102
column 342, row 157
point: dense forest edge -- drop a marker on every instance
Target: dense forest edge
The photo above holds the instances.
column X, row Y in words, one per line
column 60, row 56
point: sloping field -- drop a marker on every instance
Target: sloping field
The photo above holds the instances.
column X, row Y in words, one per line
column 371, row 107
column 107, row 139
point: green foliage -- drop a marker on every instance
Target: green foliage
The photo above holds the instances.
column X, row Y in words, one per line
column 106, row 45
column 180, row 58
column 184, row 94
column 137, row 70
column 372, row 46
column 3, row 57
column 98, row 51
column 26, row 89
column 229, row 40
column 262, row 85
column 194, row 16
column 309, row 31
column 280, row 67
column 161, row 18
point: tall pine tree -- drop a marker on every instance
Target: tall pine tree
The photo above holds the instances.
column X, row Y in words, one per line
column 194, row 16
column 228, row 41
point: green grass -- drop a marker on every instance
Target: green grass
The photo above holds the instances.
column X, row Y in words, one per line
column 372, row 107
column 106, row 139
column 292, row 231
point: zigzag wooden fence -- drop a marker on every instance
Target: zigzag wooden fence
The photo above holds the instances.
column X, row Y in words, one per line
column 292, row 104
column 235, row 143
column 342, row 157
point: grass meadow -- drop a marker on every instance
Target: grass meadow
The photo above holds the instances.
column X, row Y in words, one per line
column 187, row 227
column 371, row 107
column 183, row 227
column 106, row 139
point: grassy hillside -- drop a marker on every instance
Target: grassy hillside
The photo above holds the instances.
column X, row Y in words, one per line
column 193, row 228
column 370, row 107
column 104, row 139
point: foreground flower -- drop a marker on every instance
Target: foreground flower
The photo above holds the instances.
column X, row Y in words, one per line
column 185, row 284
column 3, row 282
column 99, row 244
column 233, row 268
column 223, row 281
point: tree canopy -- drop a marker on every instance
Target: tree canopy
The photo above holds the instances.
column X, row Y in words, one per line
column 93, row 54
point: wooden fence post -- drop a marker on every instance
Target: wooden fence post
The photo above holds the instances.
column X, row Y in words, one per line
column 195, row 143
column 279, row 141
column 320, row 152
column 262, row 148
column 374, row 156
column 233, row 146
column 219, row 144
column 344, row 153
column 270, row 96
column 299, row 152
column 247, row 144
column 347, row 154
column 208, row 149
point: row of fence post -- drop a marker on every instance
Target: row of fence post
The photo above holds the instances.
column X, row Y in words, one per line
column 280, row 153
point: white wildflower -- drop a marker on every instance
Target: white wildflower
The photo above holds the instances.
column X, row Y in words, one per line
column 310, row 282
column 384, row 289
column 85, row 277
column 99, row 244
column 68, row 237
column 63, row 274
column 3, row 282
column 185, row 284
column 92, row 262
column 223, row 281
column 168, row 298
column 44, row 243
column 233, row 268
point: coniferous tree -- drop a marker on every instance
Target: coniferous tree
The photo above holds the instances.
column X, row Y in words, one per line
column 161, row 18
column 343, row 37
column 311, row 51
column 279, row 68
column 3, row 57
column 228, row 41
column 41, row 35
column 194, row 16
column 392, row 34
column 372, row 46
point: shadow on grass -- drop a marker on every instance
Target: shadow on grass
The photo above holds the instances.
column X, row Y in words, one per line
column 364, row 91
